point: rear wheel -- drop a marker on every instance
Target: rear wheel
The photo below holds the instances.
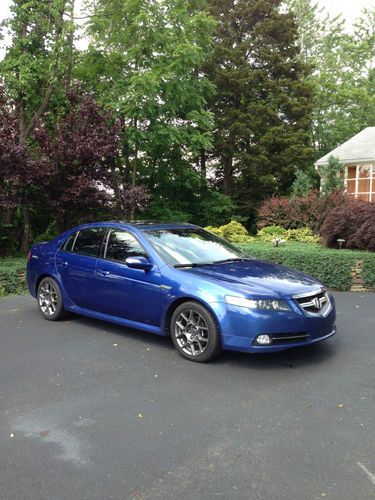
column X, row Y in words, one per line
column 50, row 300
column 194, row 333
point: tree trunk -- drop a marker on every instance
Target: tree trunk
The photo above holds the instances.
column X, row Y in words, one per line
column 9, row 216
column 70, row 46
column 203, row 166
column 25, row 235
column 228, row 175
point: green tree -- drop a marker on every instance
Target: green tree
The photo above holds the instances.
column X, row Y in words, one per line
column 143, row 62
column 302, row 184
column 33, row 70
column 262, row 107
column 329, row 174
column 343, row 76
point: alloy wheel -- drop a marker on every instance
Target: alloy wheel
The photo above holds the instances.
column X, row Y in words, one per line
column 48, row 299
column 191, row 332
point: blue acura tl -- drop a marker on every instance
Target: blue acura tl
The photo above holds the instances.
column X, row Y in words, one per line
column 182, row 281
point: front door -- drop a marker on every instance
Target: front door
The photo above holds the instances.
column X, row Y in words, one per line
column 133, row 294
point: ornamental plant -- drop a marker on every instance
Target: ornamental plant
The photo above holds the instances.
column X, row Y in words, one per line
column 353, row 222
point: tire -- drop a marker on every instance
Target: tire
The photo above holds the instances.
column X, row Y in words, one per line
column 49, row 300
column 195, row 333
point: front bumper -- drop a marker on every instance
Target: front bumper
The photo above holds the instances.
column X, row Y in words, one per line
column 294, row 328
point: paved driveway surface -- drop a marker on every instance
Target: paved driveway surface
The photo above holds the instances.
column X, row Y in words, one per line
column 89, row 410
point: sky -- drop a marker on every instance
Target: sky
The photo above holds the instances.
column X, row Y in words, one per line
column 350, row 9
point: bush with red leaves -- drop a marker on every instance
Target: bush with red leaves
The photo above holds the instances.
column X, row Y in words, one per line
column 293, row 213
column 354, row 222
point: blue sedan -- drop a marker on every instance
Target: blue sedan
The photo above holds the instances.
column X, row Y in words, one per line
column 182, row 281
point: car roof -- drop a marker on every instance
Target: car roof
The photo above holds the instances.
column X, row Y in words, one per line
column 139, row 224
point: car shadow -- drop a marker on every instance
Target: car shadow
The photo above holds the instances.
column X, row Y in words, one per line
column 293, row 358
column 296, row 357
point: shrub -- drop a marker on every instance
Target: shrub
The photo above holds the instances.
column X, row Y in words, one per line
column 234, row 232
column 301, row 235
column 353, row 222
column 332, row 267
column 275, row 211
column 365, row 235
column 310, row 211
column 368, row 270
column 12, row 277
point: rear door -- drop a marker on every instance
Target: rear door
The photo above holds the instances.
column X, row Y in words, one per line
column 132, row 294
column 76, row 263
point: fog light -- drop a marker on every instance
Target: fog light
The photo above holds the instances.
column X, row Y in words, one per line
column 263, row 339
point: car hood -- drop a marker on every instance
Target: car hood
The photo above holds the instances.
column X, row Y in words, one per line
column 258, row 278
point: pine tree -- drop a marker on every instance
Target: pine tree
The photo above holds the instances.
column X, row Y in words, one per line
column 263, row 105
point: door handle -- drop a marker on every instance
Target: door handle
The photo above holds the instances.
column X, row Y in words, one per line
column 103, row 273
column 65, row 264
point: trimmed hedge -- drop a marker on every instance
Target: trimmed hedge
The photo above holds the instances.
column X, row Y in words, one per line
column 12, row 277
column 332, row 267
column 368, row 270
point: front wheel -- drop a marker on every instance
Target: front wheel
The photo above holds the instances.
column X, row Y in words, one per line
column 50, row 300
column 194, row 333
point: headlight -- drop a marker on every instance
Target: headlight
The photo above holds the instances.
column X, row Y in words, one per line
column 273, row 305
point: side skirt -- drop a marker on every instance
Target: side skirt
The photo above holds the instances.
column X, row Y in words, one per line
column 115, row 320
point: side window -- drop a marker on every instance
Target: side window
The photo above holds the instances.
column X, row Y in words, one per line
column 67, row 246
column 89, row 241
column 121, row 245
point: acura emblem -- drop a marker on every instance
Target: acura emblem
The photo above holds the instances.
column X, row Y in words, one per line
column 317, row 302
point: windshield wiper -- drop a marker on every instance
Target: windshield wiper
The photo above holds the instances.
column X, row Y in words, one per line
column 193, row 264
column 234, row 259
column 199, row 264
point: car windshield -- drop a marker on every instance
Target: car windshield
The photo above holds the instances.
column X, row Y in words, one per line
column 192, row 246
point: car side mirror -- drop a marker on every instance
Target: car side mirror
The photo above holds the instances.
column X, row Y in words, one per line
column 138, row 263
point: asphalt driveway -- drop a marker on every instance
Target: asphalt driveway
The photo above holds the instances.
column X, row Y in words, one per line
column 89, row 410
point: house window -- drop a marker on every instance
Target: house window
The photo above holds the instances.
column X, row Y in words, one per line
column 360, row 182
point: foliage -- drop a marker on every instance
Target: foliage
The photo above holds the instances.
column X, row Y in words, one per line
column 302, row 184
column 301, row 235
column 262, row 105
column 82, row 149
column 234, row 232
column 330, row 179
column 343, row 77
column 353, row 222
column 217, row 209
column 50, row 233
column 22, row 173
column 143, row 63
column 368, row 270
column 190, row 110
column 12, row 277
column 8, row 239
column 309, row 258
column 292, row 213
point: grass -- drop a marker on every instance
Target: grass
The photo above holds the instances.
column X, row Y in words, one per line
column 12, row 263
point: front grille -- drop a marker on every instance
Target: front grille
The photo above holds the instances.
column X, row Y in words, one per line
column 315, row 303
